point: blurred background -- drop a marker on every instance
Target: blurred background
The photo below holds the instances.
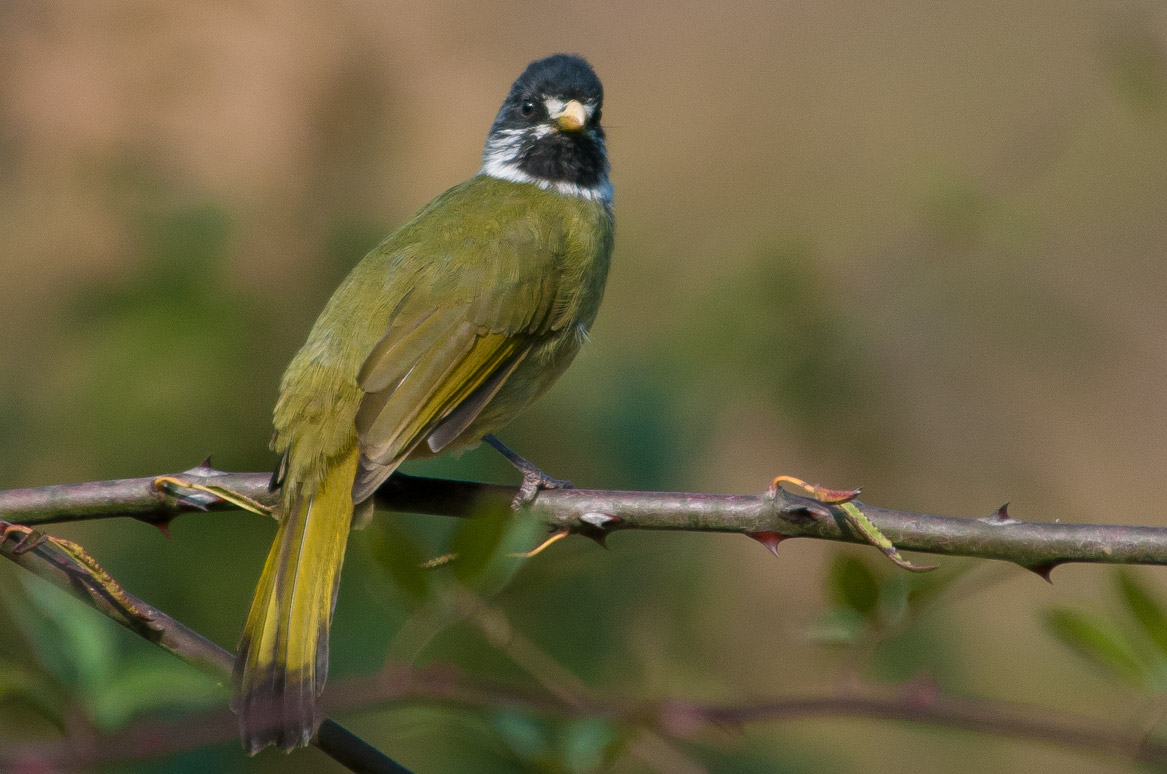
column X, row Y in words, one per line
column 912, row 246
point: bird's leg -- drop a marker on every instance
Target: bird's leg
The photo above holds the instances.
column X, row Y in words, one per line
column 533, row 478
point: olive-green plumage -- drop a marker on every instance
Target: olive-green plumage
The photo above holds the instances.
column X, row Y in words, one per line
column 491, row 278
column 442, row 334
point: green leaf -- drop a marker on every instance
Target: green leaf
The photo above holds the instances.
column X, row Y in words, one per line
column 523, row 734
column 837, row 626
column 1099, row 642
column 396, row 553
column 852, row 584
column 149, row 684
column 1144, row 608
column 585, row 744
column 19, row 683
column 74, row 642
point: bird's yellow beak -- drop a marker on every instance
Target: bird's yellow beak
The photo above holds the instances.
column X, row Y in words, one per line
column 572, row 118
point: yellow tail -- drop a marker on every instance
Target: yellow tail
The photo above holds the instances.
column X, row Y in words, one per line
column 282, row 661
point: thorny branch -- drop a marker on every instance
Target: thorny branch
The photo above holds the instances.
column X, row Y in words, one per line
column 769, row 518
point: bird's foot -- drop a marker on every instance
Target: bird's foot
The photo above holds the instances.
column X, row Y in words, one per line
column 534, row 479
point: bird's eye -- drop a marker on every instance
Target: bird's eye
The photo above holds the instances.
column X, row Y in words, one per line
column 596, row 116
column 528, row 107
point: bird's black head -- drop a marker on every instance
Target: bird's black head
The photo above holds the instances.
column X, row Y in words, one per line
column 548, row 131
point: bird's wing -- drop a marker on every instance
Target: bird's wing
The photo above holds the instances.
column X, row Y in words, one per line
column 437, row 367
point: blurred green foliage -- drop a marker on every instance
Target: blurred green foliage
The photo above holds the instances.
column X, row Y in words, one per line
column 1137, row 59
column 1133, row 649
column 69, row 661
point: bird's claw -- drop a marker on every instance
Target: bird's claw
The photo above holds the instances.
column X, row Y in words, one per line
column 535, row 480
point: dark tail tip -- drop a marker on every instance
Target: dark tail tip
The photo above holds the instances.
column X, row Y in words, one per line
column 275, row 707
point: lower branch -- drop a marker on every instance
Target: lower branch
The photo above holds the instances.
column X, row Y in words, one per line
column 402, row 684
column 67, row 566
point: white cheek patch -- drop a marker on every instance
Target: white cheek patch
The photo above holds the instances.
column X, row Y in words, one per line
column 503, row 147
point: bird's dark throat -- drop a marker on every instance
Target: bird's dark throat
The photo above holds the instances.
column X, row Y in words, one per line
column 565, row 157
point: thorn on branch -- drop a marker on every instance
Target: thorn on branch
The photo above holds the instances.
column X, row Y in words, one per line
column 599, row 538
column 160, row 523
column 600, row 520
column 1000, row 517
column 768, row 539
column 1043, row 571
column 597, row 527
column 204, row 469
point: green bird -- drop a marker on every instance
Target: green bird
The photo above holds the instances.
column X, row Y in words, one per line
column 438, row 338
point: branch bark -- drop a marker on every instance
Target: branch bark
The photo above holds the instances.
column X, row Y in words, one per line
column 768, row 518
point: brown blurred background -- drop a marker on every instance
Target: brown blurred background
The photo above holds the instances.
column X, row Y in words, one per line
column 908, row 245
